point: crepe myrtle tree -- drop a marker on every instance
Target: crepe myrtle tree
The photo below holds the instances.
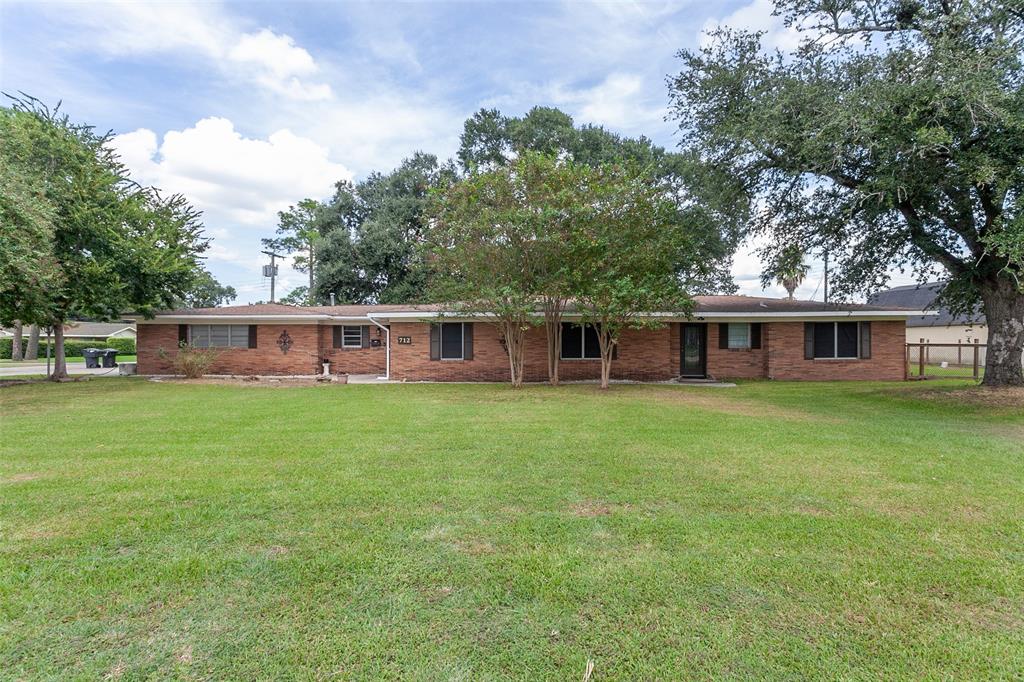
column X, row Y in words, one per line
column 892, row 136
column 485, row 246
column 624, row 255
column 113, row 246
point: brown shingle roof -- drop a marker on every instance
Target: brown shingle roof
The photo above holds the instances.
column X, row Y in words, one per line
column 704, row 304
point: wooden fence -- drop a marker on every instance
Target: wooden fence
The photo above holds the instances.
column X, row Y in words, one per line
column 936, row 360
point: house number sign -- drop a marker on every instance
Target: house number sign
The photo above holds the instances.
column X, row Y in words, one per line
column 404, row 340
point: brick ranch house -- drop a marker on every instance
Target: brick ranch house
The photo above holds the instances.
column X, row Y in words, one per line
column 726, row 337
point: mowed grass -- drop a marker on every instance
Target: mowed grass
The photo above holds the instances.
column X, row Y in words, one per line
column 774, row 530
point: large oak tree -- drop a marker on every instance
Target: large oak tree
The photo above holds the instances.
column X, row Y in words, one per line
column 110, row 245
column 894, row 137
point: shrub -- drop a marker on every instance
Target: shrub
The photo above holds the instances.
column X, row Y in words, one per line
column 124, row 346
column 191, row 362
column 72, row 348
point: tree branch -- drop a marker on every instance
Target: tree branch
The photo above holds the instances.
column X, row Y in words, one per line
column 922, row 240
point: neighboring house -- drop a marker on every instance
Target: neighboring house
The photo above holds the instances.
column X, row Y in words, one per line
column 940, row 327
column 726, row 337
column 88, row 331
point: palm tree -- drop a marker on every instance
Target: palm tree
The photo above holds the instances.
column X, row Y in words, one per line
column 791, row 269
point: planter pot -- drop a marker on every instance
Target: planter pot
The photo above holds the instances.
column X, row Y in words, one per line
column 341, row 378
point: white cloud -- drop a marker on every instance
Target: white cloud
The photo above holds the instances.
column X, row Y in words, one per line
column 233, row 179
column 757, row 16
column 278, row 64
column 270, row 60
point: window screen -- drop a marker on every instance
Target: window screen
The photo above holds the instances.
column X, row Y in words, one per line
column 591, row 346
column 352, row 336
column 846, row 339
column 572, row 341
column 451, row 341
column 579, row 342
column 219, row 335
column 739, row 335
column 825, row 340
column 835, row 340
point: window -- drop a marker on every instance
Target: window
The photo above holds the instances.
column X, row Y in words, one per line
column 351, row 336
column 219, row 335
column 836, row 340
column 739, row 335
column 451, row 341
column 580, row 342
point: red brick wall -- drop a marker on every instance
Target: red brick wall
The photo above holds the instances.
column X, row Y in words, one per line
column 887, row 362
column 266, row 358
column 372, row 360
column 736, row 363
column 644, row 355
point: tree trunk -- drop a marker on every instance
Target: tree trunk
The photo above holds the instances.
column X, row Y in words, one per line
column 32, row 353
column 606, row 344
column 16, row 350
column 515, row 346
column 1004, row 314
column 553, row 328
column 60, row 365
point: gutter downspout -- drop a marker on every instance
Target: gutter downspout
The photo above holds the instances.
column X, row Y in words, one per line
column 387, row 340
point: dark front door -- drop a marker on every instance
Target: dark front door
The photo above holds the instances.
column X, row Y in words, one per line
column 693, row 350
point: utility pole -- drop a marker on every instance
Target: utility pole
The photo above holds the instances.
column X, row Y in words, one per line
column 271, row 271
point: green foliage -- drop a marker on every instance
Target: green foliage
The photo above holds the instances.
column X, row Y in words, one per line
column 624, row 250
column 494, row 242
column 123, row 344
column 191, row 362
column 72, row 347
column 205, row 291
column 537, row 228
column 301, row 230
column 491, row 139
column 116, row 246
column 372, row 232
column 297, row 296
column 28, row 268
column 893, row 137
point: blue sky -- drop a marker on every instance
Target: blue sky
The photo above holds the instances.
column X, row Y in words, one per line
column 248, row 107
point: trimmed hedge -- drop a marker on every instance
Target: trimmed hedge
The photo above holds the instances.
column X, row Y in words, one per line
column 72, row 348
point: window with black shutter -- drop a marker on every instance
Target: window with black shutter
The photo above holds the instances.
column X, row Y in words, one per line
column 837, row 341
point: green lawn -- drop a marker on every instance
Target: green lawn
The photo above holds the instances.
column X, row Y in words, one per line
column 155, row 530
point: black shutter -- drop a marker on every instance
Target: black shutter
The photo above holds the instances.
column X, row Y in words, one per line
column 467, row 341
column 252, row 336
column 336, row 336
column 865, row 340
column 723, row 335
column 615, row 351
column 182, row 334
column 755, row 334
column 808, row 340
column 364, row 337
column 435, row 342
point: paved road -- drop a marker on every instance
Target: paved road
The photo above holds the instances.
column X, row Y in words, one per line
column 22, row 368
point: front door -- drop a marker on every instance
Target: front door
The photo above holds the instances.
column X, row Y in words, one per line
column 693, row 349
